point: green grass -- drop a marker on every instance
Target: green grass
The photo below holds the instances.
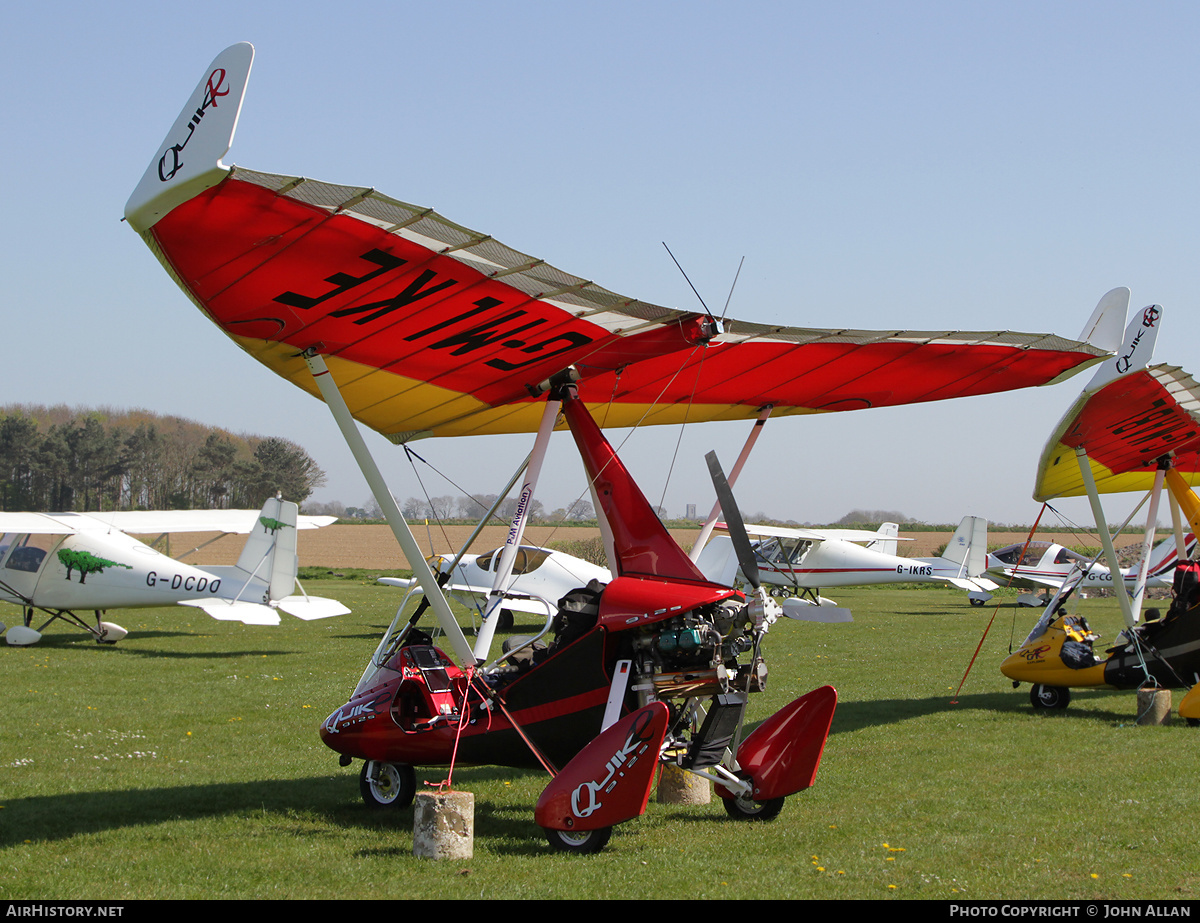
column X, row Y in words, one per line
column 184, row 763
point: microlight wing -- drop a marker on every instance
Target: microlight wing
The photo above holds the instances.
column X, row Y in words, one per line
column 431, row 328
column 1125, row 427
column 1128, row 416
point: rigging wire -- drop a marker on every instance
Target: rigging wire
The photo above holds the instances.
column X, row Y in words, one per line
column 434, row 513
column 699, row 367
column 682, row 426
column 995, row 609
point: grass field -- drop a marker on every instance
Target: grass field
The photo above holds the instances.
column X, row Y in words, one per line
column 184, row 763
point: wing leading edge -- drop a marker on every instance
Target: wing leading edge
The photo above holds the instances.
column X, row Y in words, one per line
column 432, row 328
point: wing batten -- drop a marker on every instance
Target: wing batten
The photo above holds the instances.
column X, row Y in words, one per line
column 441, row 328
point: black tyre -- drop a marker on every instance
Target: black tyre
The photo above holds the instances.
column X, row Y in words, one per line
column 975, row 602
column 743, row 807
column 505, row 620
column 387, row 785
column 1049, row 696
column 584, row 842
column 1193, row 722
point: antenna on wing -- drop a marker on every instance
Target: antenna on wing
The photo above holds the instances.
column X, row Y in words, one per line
column 732, row 287
column 728, row 298
column 693, row 288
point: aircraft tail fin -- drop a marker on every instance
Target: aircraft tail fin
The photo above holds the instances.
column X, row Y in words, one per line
column 887, row 541
column 968, row 546
column 270, row 550
column 1163, row 557
column 269, row 559
column 718, row 561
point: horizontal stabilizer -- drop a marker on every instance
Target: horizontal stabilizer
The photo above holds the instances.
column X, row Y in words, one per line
column 226, row 611
column 972, row 585
column 804, row 611
column 311, row 607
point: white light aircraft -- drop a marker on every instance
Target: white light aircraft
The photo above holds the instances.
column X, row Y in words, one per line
column 1046, row 566
column 540, row 577
column 806, row 561
column 65, row 563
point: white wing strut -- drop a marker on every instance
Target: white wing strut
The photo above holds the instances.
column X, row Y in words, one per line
column 391, row 512
column 710, row 523
column 1139, row 590
column 516, row 531
column 1110, row 552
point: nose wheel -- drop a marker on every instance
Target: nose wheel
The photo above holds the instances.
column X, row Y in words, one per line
column 387, row 785
column 1049, row 696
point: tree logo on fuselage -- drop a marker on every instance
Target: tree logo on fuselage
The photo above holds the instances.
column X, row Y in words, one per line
column 86, row 563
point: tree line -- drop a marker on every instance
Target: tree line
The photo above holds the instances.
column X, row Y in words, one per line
column 452, row 508
column 60, row 459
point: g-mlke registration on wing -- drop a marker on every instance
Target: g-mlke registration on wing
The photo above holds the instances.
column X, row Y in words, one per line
column 431, row 328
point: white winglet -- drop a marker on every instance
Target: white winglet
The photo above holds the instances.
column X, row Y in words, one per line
column 1104, row 328
column 189, row 159
column 1134, row 353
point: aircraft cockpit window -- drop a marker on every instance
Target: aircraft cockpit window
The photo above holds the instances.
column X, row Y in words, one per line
column 529, row 559
column 29, row 553
column 1012, row 554
column 1066, row 556
column 769, row 551
column 796, row 549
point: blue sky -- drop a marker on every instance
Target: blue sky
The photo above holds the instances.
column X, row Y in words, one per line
column 879, row 165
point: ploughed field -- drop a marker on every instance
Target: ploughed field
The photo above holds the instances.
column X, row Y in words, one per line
column 373, row 546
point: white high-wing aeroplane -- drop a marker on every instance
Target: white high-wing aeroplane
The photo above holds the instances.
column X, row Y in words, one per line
column 806, row 561
column 540, row 577
column 64, row 563
column 1046, row 566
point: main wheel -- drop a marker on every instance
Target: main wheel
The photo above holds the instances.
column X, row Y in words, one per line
column 1049, row 696
column 387, row 785
column 975, row 602
column 743, row 807
column 505, row 621
column 579, row 841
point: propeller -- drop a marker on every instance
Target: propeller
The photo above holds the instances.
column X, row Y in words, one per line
column 733, row 520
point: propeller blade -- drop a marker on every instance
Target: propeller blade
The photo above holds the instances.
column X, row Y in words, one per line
column 733, row 521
